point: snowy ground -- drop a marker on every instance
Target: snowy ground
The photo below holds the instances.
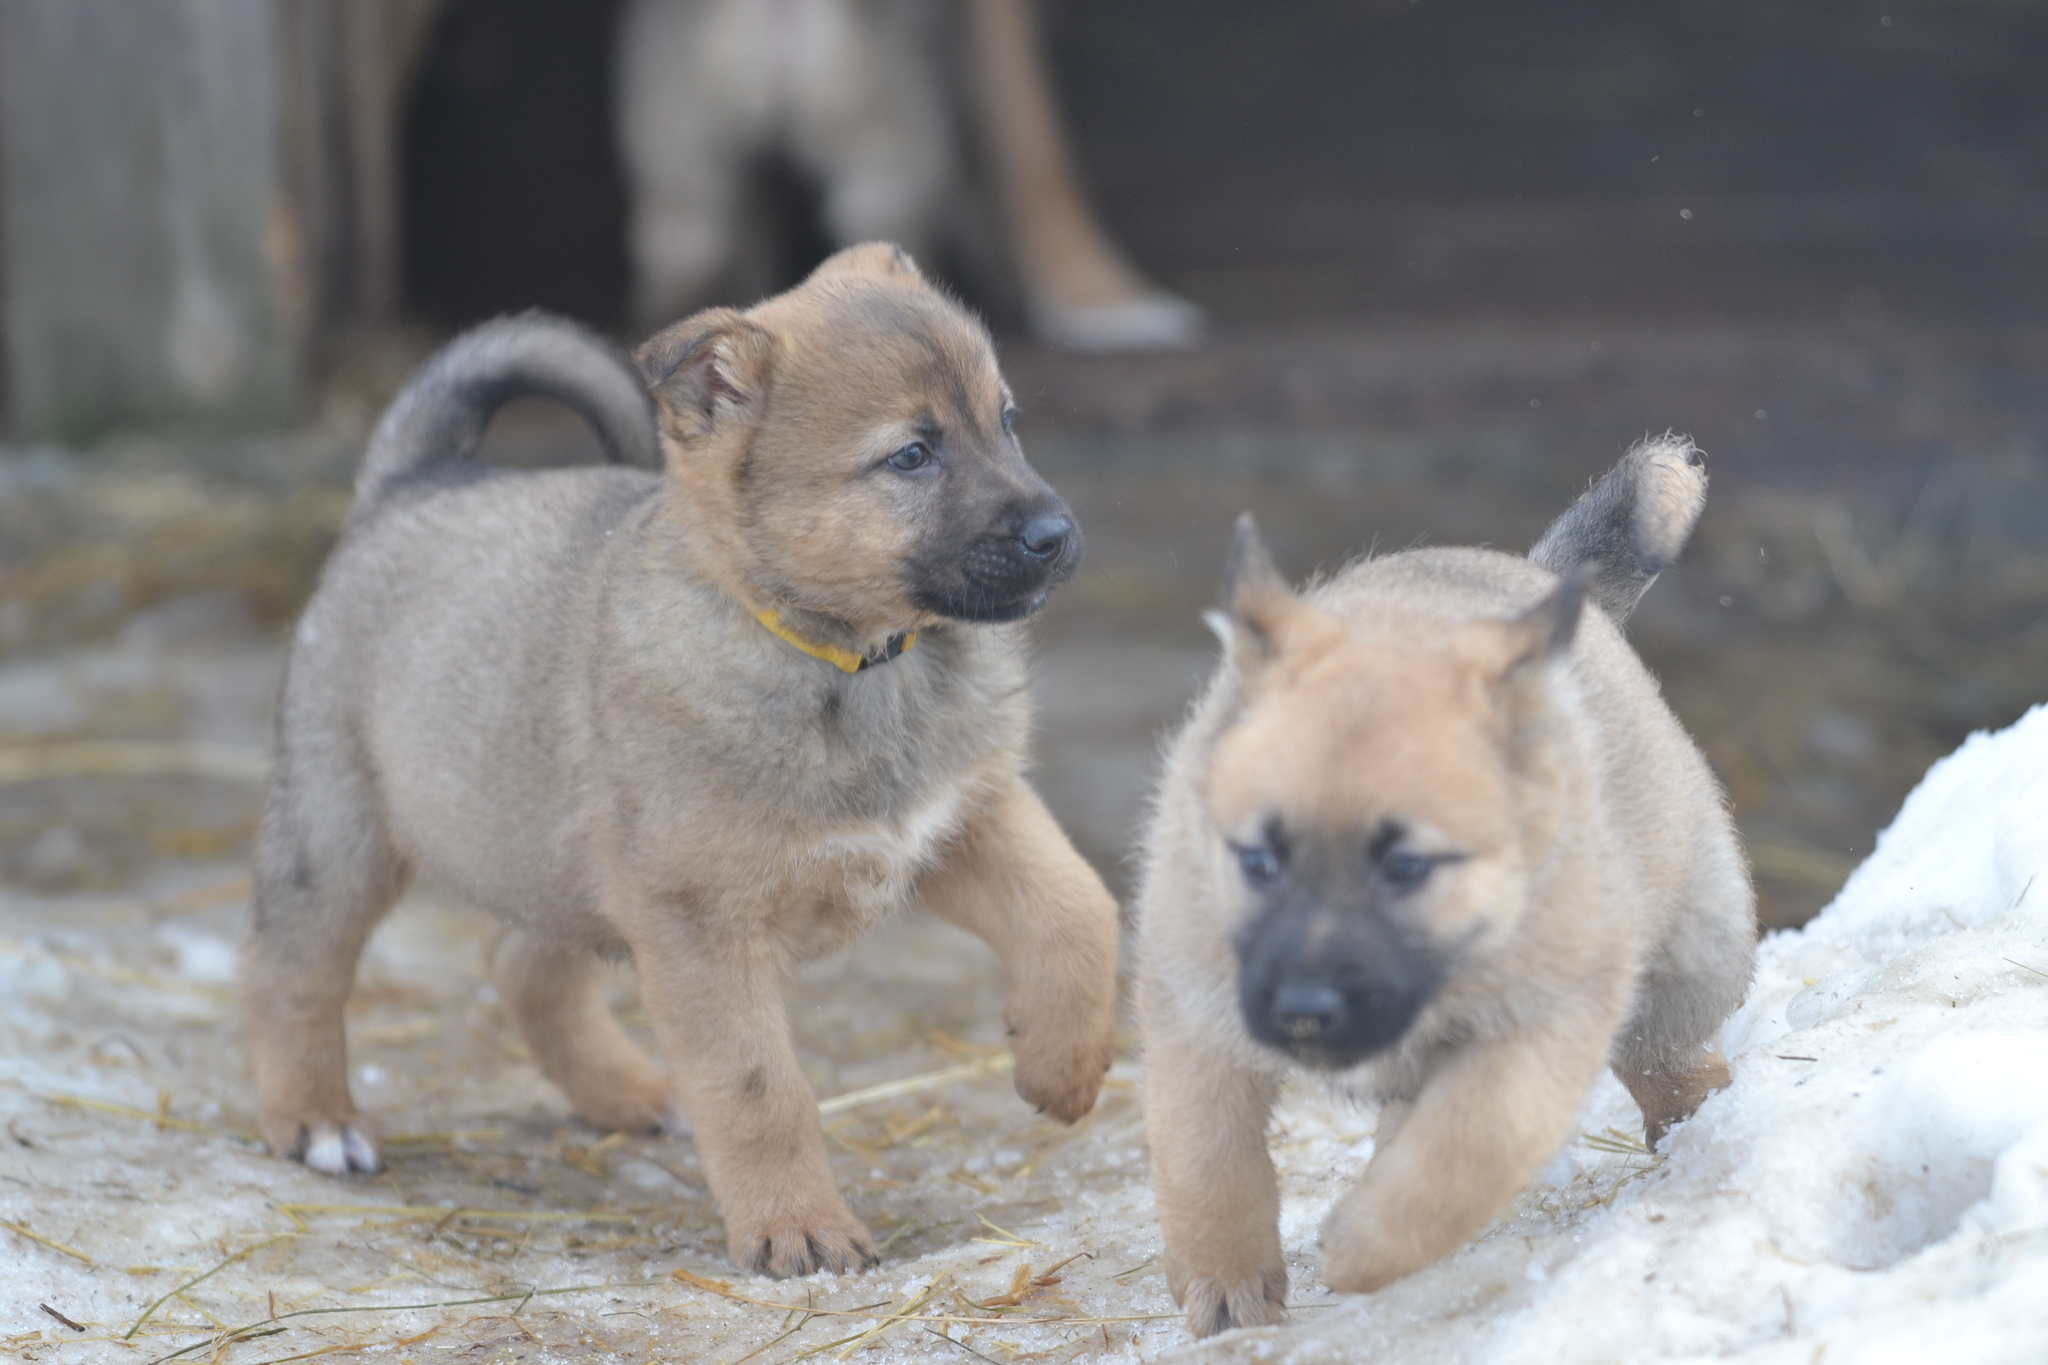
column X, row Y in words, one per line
column 1905, row 1029
column 1874, row 1186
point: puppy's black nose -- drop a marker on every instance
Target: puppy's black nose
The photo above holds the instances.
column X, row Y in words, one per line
column 1308, row 1011
column 1047, row 534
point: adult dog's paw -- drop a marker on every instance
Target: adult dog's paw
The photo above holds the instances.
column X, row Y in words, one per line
column 787, row 1247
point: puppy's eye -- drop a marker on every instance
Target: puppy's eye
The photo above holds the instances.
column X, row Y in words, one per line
column 1405, row 871
column 1260, row 865
column 916, row 455
column 1009, row 419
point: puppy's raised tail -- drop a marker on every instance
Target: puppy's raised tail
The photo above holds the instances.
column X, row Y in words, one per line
column 439, row 417
column 1632, row 523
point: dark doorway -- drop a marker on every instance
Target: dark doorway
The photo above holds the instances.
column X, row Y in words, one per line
column 512, row 188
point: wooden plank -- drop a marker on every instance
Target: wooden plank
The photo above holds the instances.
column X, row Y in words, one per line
column 154, row 270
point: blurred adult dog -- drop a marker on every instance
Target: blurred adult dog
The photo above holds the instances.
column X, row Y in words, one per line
column 717, row 718
column 1432, row 831
column 908, row 114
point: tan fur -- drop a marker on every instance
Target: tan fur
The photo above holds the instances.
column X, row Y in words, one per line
column 550, row 692
column 1583, row 901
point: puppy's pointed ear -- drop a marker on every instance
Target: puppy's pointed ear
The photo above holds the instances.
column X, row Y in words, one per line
column 869, row 258
column 1261, row 618
column 1514, row 654
column 707, row 371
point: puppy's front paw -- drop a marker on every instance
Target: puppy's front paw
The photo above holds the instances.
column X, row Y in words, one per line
column 334, row 1148
column 1215, row 1304
column 1359, row 1254
column 789, row 1246
column 1059, row 1074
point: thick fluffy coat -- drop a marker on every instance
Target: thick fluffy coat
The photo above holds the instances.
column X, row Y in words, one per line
column 1433, row 832
column 602, row 705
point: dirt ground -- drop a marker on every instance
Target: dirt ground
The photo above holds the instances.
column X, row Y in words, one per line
column 1869, row 584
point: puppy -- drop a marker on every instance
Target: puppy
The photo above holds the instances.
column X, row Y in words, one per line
column 1432, row 832
column 717, row 718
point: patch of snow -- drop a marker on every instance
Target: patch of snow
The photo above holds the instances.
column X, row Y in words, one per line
column 207, row 959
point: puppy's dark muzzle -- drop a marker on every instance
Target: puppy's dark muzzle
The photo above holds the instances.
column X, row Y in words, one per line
column 1007, row 573
column 1046, row 537
column 1333, row 988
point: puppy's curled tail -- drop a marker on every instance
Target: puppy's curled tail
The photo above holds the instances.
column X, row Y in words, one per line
column 1632, row 523
column 439, row 416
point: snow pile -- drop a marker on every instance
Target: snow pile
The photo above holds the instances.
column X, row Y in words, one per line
column 1874, row 1185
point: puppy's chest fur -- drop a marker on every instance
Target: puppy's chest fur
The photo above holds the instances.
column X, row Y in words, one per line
column 824, row 795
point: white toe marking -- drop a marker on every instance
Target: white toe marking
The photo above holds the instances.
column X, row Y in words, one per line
column 324, row 1150
column 361, row 1152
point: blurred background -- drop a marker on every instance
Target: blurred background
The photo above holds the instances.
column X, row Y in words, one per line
column 1450, row 257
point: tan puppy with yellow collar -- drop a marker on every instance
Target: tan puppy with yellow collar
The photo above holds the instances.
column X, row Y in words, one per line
column 717, row 718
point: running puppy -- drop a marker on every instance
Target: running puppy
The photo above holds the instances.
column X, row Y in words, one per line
column 1431, row 831
column 718, row 718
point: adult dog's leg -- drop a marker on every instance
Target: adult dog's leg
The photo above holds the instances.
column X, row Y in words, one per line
column 1080, row 289
column 682, row 140
column 715, row 995
column 555, row 993
column 1212, row 1177
column 1015, row 881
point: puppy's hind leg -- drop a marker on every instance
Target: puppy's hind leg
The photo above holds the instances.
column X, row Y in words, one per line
column 325, row 874
column 1668, row 1089
column 1692, row 980
column 1666, row 1056
column 555, row 993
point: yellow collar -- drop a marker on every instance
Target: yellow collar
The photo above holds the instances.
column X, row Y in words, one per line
column 845, row 660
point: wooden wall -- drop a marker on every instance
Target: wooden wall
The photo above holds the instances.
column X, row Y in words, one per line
column 198, row 197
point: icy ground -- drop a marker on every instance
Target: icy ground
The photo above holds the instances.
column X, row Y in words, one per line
column 1873, row 1187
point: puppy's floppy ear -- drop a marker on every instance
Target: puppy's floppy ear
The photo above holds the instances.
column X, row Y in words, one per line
column 707, row 370
column 1261, row 618
column 869, row 258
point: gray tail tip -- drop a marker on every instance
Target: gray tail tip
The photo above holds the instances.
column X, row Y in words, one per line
column 1670, row 489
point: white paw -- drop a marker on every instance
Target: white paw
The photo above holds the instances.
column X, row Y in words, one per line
column 338, row 1149
column 1155, row 321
